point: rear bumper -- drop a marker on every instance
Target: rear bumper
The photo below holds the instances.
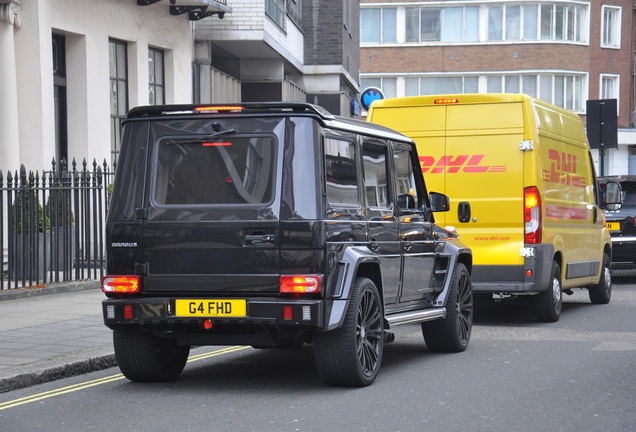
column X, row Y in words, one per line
column 265, row 318
column 623, row 252
column 530, row 278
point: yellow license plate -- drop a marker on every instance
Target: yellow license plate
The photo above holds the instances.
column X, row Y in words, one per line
column 210, row 308
column 614, row 226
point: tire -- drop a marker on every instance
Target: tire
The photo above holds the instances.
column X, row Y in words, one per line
column 452, row 334
column 548, row 304
column 351, row 355
column 144, row 357
column 602, row 292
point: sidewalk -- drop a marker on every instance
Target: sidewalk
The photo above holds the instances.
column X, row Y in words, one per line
column 51, row 333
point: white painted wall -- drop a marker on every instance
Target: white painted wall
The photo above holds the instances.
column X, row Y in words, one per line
column 88, row 25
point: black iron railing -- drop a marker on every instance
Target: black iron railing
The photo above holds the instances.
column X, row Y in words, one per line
column 52, row 224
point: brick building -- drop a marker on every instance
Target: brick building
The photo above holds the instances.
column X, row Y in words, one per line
column 564, row 52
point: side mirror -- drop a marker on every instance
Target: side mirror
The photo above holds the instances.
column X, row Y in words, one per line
column 612, row 198
column 439, row 202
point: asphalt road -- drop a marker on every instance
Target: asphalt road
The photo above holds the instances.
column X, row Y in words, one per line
column 578, row 374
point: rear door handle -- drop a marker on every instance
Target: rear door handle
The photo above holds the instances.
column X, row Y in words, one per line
column 258, row 239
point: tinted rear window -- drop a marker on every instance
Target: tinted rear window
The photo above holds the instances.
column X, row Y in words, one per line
column 235, row 169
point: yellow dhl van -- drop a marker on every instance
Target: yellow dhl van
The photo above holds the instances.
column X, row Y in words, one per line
column 523, row 191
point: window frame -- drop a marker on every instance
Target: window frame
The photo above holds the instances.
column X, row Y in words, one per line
column 560, row 94
column 387, row 205
column 573, row 25
column 356, row 160
column 118, row 83
column 154, row 86
column 615, row 79
column 611, row 15
column 275, row 10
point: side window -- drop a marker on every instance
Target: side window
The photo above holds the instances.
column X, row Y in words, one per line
column 406, row 186
column 341, row 171
column 376, row 185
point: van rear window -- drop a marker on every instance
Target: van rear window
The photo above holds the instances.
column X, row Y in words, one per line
column 225, row 170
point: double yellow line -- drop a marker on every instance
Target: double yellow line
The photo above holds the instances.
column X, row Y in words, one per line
column 81, row 386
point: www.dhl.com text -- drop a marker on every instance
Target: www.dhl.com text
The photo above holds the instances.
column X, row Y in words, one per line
column 493, row 238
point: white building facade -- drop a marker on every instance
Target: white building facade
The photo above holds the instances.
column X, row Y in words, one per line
column 70, row 70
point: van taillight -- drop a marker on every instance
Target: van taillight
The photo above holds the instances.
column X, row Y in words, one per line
column 532, row 215
column 121, row 284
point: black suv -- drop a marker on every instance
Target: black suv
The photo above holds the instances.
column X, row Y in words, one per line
column 621, row 223
column 275, row 224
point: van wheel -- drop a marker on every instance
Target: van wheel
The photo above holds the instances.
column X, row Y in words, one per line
column 144, row 357
column 351, row 355
column 452, row 334
column 548, row 304
column 602, row 293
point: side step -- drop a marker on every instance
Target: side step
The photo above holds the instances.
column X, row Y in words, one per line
column 416, row 316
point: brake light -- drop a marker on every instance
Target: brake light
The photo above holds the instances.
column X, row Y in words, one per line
column 218, row 108
column 121, row 284
column 532, row 215
column 300, row 284
column 446, row 101
column 217, row 144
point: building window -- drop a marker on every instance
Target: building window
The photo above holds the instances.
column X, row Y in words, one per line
column 59, row 97
column 275, row 9
column 378, row 25
column 448, row 24
column 118, row 93
column 458, row 23
column 156, row 77
column 564, row 90
column 295, row 11
column 609, row 88
column 611, row 27
column 429, row 85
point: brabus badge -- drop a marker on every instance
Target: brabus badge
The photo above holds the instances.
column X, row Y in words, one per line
column 124, row 244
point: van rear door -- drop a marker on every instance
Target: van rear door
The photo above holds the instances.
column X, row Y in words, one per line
column 483, row 170
column 211, row 223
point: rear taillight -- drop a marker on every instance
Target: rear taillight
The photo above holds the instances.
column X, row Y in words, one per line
column 121, row 284
column 532, row 215
column 300, row 284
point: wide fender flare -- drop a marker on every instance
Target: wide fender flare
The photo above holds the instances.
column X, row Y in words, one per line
column 351, row 260
column 456, row 252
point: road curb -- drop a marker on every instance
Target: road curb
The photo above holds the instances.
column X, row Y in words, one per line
column 55, row 288
column 54, row 373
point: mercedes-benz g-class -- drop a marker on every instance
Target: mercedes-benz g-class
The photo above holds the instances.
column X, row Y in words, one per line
column 275, row 224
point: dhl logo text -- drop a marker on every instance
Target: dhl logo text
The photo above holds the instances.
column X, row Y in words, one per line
column 452, row 164
column 562, row 169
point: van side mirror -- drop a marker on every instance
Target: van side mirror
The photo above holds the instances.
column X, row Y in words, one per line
column 612, row 197
column 439, row 202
